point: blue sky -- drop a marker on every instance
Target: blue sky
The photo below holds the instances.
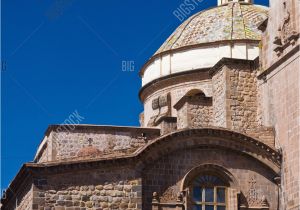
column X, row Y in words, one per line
column 62, row 56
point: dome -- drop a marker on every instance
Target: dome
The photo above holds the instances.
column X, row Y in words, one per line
column 229, row 30
column 233, row 21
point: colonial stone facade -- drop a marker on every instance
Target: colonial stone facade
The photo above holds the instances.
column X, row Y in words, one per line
column 218, row 132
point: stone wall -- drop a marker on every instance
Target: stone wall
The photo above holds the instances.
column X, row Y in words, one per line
column 64, row 144
column 281, row 109
column 165, row 176
column 200, row 111
column 21, row 200
column 242, row 98
column 177, row 87
column 237, row 101
column 95, row 189
column 280, row 87
column 195, row 111
column 69, row 144
column 44, row 157
column 219, row 98
column 26, row 201
column 282, row 23
column 44, row 151
column 123, row 183
column 235, row 97
column 182, row 119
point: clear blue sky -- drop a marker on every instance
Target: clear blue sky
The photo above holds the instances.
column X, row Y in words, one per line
column 66, row 55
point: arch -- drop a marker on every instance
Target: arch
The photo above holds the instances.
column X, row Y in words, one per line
column 193, row 92
column 210, row 137
column 217, row 170
column 190, row 93
column 197, row 90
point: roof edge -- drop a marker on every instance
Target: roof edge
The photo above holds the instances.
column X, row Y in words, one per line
column 225, row 61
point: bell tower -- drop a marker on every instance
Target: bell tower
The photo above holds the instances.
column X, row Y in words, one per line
column 221, row 2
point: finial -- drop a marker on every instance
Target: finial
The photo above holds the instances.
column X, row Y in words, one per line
column 264, row 201
column 155, row 197
column 179, row 196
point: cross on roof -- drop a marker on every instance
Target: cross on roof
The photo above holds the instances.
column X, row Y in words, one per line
column 90, row 140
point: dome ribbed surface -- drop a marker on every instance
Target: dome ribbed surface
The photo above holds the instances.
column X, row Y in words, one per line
column 234, row 21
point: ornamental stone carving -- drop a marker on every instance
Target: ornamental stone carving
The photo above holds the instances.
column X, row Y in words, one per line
column 162, row 108
column 170, row 195
column 160, row 102
column 254, row 197
column 286, row 33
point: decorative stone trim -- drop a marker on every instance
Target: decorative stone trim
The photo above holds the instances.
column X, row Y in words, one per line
column 207, row 168
column 177, row 204
column 212, row 137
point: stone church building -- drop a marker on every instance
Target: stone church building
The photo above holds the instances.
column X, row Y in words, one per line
column 220, row 128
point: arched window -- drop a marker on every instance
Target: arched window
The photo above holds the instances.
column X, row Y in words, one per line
column 208, row 192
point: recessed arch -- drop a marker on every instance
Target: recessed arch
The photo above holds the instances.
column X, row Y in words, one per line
column 210, row 137
column 214, row 169
column 197, row 90
column 193, row 92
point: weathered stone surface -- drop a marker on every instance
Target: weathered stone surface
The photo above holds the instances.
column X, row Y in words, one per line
column 140, row 168
column 74, row 193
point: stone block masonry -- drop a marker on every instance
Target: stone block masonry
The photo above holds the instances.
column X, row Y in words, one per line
column 236, row 99
column 219, row 97
column 109, row 140
column 235, row 96
column 96, row 189
column 165, row 176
